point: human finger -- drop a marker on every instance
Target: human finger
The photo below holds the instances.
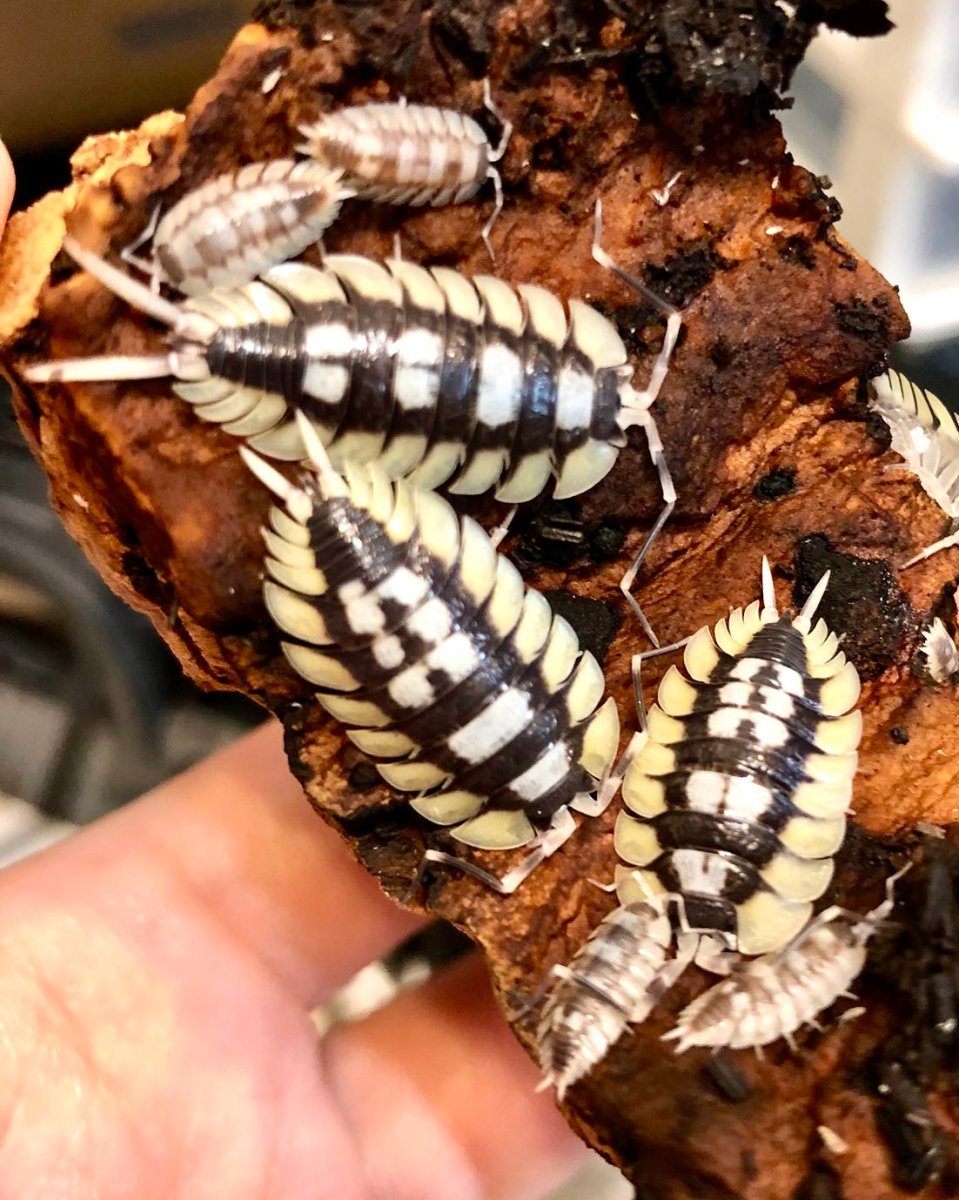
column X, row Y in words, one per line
column 441, row 1099
column 235, row 838
column 6, row 184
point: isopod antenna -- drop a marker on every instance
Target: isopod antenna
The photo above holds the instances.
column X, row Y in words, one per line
column 186, row 328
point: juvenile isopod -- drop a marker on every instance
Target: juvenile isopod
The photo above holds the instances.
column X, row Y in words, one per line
column 615, row 980
column 940, row 654
column 410, row 153
column 772, row 997
column 452, row 675
column 925, row 433
column 232, row 228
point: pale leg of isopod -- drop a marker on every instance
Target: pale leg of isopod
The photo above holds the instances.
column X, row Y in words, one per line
column 714, row 956
column 544, row 845
column 502, row 529
column 636, row 411
column 492, row 173
column 637, row 673
column 945, row 543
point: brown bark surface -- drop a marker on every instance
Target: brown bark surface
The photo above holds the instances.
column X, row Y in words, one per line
column 767, row 433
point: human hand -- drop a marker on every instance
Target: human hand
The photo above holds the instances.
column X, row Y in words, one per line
column 156, row 972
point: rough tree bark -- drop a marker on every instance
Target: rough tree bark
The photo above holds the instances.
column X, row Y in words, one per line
column 767, row 432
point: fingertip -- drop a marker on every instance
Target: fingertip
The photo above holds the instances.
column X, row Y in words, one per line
column 6, row 184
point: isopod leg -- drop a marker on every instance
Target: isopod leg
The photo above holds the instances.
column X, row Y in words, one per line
column 713, row 956
column 673, row 319
column 497, row 209
column 686, row 945
column 496, row 535
column 506, row 125
column 637, row 672
column 147, row 266
column 545, row 844
column 644, row 418
column 943, row 544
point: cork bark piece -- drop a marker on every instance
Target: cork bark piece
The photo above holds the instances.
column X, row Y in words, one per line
column 763, row 419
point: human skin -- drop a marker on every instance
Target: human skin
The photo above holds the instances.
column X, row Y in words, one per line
column 157, row 970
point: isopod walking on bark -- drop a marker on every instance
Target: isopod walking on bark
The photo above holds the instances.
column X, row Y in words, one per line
column 400, row 153
column 237, row 225
column 460, row 682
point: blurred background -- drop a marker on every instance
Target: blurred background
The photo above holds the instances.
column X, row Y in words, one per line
column 93, row 709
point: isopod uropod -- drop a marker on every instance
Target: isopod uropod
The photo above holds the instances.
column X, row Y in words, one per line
column 233, row 227
column 454, row 677
column 736, row 792
column 415, row 154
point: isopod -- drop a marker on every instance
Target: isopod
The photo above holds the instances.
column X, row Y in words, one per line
column 926, row 434
column 940, row 653
column 410, row 153
column 457, row 679
column 772, row 997
column 614, row 980
column 232, row 228
column 469, row 383
column 736, row 790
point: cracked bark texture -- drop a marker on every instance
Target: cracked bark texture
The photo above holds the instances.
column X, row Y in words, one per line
column 768, row 435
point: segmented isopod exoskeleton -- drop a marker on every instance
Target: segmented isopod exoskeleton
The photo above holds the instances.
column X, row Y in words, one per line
column 614, row 980
column 926, row 434
column 940, row 653
column 772, row 997
column 471, row 383
column 410, row 153
column 458, row 680
column 232, row 228
column 736, row 791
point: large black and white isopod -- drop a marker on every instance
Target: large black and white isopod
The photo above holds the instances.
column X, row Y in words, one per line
column 235, row 226
column 472, row 383
column 458, row 680
column 415, row 154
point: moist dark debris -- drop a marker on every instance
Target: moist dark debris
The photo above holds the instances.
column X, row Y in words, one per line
column 594, row 621
column 464, row 28
column 722, row 352
column 915, row 964
column 779, row 482
column 864, row 602
column 606, row 540
column 802, row 195
column 796, row 249
column 363, row 777
column 685, row 272
column 822, row 1183
column 726, row 1078
column 900, row 735
column 862, row 320
column 747, row 1156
